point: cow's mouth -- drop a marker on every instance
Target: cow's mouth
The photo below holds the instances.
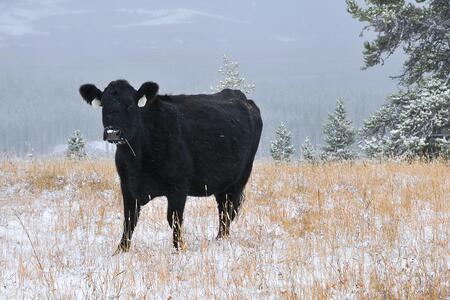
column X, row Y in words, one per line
column 113, row 135
column 120, row 142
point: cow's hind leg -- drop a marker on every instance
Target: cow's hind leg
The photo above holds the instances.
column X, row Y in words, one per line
column 175, row 209
column 228, row 204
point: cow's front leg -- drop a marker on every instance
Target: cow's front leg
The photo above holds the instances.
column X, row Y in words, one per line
column 175, row 211
column 132, row 210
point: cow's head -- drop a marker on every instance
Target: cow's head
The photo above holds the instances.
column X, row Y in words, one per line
column 120, row 104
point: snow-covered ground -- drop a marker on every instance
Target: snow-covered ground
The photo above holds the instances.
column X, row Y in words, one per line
column 363, row 230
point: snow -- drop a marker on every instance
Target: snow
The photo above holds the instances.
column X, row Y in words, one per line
column 75, row 230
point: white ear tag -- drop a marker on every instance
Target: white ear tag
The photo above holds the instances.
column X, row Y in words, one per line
column 142, row 101
column 96, row 103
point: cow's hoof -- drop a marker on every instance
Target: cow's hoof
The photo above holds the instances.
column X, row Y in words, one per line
column 118, row 251
column 180, row 246
column 121, row 249
column 183, row 246
column 222, row 236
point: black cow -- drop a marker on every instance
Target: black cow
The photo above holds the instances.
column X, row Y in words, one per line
column 175, row 146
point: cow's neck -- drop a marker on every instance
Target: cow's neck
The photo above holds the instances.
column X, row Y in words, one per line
column 145, row 143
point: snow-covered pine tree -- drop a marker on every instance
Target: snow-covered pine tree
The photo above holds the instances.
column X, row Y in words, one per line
column 420, row 28
column 281, row 147
column 76, row 146
column 412, row 123
column 232, row 78
column 308, row 152
column 339, row 135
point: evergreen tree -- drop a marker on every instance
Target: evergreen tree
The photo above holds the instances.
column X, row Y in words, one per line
column 76, row 146
column 412, row 123
column 281, row 147
column 420, row 29
column 232, row 78
column 339, row 135
column 308, row 151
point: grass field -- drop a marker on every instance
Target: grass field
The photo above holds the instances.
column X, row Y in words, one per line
column 365, row 230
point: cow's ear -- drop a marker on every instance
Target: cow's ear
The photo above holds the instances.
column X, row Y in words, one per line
column 91, row 94
column 147, row 92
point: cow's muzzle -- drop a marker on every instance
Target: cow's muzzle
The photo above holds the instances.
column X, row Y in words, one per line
column 112, row 135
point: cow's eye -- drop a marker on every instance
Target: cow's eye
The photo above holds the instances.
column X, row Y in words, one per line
column 130, row 107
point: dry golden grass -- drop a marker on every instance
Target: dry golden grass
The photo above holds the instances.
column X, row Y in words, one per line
column 363, row 230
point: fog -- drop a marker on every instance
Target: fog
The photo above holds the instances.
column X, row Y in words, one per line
column 301, row 55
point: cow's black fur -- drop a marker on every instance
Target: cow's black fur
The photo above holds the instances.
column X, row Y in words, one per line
column 175, row 146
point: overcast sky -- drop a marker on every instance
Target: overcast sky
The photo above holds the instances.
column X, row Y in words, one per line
column 180, row 42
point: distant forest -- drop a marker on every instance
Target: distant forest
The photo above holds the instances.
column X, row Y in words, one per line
column 38, row 114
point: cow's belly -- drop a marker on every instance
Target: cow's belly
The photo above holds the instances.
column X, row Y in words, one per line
column 210, row 184
column 198, row 191
column 203, row 190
